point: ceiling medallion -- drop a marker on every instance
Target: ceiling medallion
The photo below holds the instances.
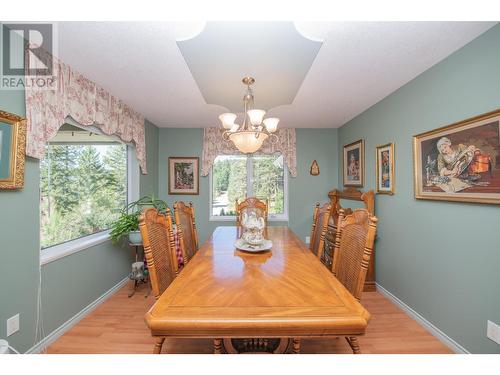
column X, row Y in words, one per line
column 249, row 136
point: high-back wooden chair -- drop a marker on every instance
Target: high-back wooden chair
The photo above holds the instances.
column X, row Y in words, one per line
column 251, row 204
column 186, row 229
column 346, row 197
column 159, row 248
column 320, row 225
column 353, row 248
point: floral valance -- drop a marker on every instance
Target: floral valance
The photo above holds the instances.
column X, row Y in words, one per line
column 214, row 145
column 87, row 103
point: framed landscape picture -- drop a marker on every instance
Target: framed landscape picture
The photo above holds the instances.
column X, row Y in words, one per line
column 460, row 162
column 385, row 169
column 183, row 175
column 354, row 163
column 12, row 150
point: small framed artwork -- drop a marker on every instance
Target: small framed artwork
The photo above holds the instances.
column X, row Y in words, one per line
column 183, row 175
column 459, row 162
column 354, row 164
column 12, row 150
column 314, row 170
column 385, row 168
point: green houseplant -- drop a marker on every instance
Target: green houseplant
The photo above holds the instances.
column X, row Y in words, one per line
column 128, row 222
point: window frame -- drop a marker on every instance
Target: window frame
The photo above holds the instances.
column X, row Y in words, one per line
column 58, row 251
column 271, row 217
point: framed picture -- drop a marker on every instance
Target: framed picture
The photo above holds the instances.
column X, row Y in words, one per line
column 354, row 163
column 385, row 168
column 12, row 150
column 183, row 175
column 314, row 170
column 459, row 162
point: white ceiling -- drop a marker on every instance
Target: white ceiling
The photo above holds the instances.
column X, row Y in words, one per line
column 358, row 64
column 274, row 53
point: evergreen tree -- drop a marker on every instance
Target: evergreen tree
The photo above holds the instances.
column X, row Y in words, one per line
column 221, row 173
column 115, row 164
column 81, row 192
column 58, row 180
column 237, row 183
column 91, row 173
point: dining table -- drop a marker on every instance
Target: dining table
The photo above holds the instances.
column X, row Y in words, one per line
column 263, row 301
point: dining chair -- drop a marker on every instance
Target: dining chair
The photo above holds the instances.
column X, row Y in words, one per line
column 352, row 251
column 186, row 229
column 251, row 204
column 321, row 216
column 159, row 249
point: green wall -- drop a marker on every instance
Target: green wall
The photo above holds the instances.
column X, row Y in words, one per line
column 69, row 284
column 19, row 245
column 440, row 258
column 304, row 190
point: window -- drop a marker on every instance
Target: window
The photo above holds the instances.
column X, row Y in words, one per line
column 238, row 176
column 83, row 185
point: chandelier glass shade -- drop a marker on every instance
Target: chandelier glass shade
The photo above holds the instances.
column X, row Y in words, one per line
column 249, row 136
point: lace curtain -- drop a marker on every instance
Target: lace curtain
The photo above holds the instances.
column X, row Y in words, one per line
column 87, row 103
column 214, row 145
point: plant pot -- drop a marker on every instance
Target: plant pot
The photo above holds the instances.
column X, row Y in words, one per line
column 135, row 237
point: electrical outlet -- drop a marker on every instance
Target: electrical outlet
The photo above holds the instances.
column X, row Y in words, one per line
column 493, row 332
column 13, row 325
column 308, row 239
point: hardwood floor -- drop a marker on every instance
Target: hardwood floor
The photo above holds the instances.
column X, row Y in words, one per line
column 117, row 326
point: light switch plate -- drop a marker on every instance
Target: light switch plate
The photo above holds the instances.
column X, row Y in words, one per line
column 13, row 325
column 308, row 239
column 493, row 332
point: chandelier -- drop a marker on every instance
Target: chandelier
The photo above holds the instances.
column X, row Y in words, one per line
column 249, row 136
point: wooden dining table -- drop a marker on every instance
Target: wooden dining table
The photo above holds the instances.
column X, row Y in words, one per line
column 274, row 298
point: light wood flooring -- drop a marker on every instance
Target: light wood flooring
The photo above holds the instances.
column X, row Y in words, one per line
column 117, row 326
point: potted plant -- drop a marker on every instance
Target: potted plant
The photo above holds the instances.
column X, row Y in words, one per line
column 128, row 222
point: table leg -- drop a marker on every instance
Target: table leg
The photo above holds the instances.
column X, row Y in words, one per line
column 296, row 346
column 217, row 346
column 158, row 345
column 353, row 343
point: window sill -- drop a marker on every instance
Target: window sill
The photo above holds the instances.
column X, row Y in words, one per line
column 56, row 252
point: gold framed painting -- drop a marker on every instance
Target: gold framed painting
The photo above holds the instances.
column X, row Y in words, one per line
column 354, row 163
column 183, row 175
column 459, row 162
column 385, row 158
column 12, row 150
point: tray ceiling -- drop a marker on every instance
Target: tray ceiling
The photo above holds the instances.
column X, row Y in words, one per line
column 274, row 53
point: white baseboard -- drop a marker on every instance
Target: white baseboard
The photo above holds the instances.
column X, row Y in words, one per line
column 431, row 328
column 58, row 332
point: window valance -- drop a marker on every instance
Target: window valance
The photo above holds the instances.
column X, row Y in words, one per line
column 214, row 145
column 87, row 103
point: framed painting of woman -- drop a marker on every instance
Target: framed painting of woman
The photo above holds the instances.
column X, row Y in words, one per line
column 460, row 162
column 354, row 164
column 12, row 150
